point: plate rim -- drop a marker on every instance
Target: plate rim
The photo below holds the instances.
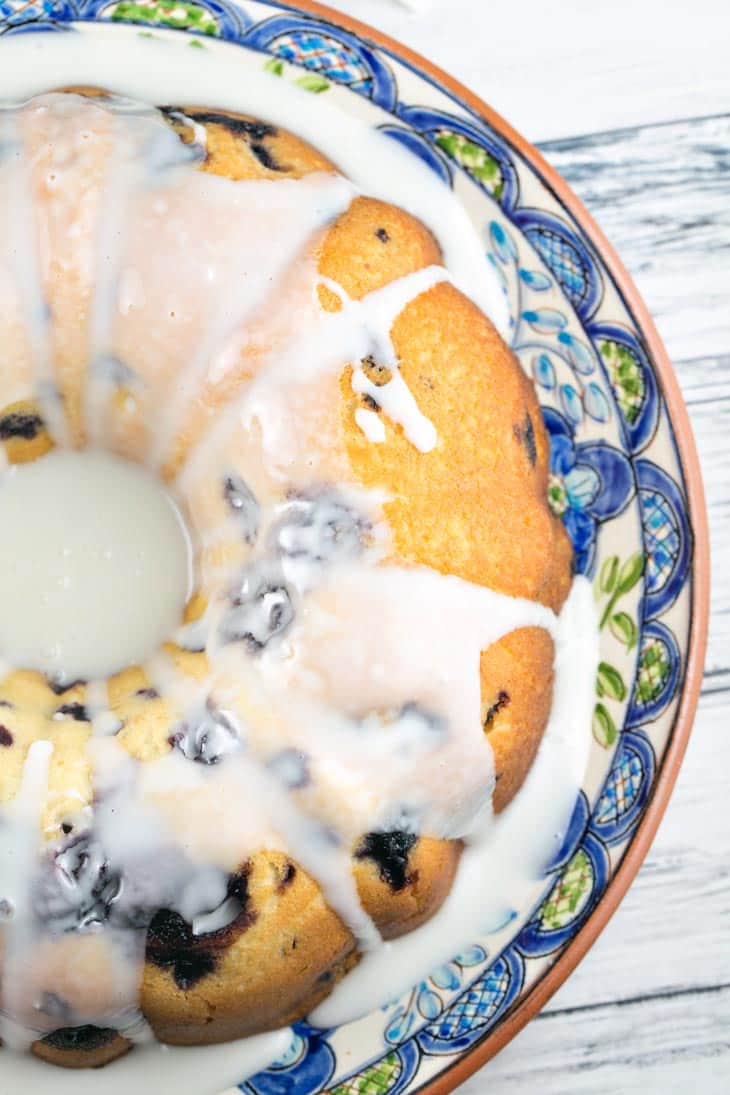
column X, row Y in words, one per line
column 533, row 1001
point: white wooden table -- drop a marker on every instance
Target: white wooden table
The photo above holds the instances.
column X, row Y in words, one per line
column 630, row 101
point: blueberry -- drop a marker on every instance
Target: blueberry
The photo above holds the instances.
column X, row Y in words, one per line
column 77, row 886
column 320, row 528
column 242, row 501
column 147, row 693
column 84, row 1039
column 493, row 710
column 75, row 711
column 189, row 956
column 208, row 738
column 416, row 722
column 291, row 768
column 114, row 371
column 261, row 610
column 55, row 1006
column 26, row 424
column 390, row 851
column 411, row 727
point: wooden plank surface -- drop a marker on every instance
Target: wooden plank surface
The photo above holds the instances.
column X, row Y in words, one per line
column 558, row 69
column 631, row 103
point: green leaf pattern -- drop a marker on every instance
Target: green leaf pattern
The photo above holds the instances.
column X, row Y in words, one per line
column 310, row 81
column 626, row 377
column 475, row 160
column 179, row 14
column 614, row 581
column 568, row 894
column 376, row 1080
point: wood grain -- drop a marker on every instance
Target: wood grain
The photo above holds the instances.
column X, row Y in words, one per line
column 673, row 1043
column 660, row 193
column 555, row 70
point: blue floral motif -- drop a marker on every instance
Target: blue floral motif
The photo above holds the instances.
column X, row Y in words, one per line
column 426, row 1000
column 305, row 1069
column 478, row 1008
column 566, row 255
column 667, row 537
column 589, row 483
column 339, row 55
column 626, row 789
column 18, row 16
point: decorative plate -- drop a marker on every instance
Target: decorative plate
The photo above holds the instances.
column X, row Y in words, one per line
column 624, row 478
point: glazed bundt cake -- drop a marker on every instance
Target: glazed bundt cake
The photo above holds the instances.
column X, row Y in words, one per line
column 201, row 844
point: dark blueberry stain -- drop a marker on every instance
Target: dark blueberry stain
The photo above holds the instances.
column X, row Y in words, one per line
column 18, row 424
column 67, row 828
column 378, row 374
column 80, row 1038
column 207, row 739
column 319, row 528
column 252, row 131
column 6, row 738
column 291, row 768
column 501, row 702
column 242, row 127
column 76, row 889
column 59, row 687
column 265, row 157
column 262, row 609
column 244, row 505
column 370, row 403
column 382, row 235
column 188, row 969
column 287, row 877
column 6, row 703
column 147, row 693
column 530, row 442
column 75, row 711
column 390, row 852
column 172, row 945
column 54, row 1005
column 429, row 722
column 525, row 435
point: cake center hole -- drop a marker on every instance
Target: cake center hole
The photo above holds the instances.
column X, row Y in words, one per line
column 95, row 565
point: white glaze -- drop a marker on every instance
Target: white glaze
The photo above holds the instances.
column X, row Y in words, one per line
column 172, row 1070
column 95, row 565
column 153, row 72
column 502, row 870
column 221, row 814
column 372, row 426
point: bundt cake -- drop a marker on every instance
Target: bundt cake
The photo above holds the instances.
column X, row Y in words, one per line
column 200, row 845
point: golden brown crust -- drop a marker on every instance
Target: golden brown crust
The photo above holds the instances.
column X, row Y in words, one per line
column 430, row 871
column 476, row 506
column 241, row 147
column 23, row 433
column 286, row 956
column 517, row 686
